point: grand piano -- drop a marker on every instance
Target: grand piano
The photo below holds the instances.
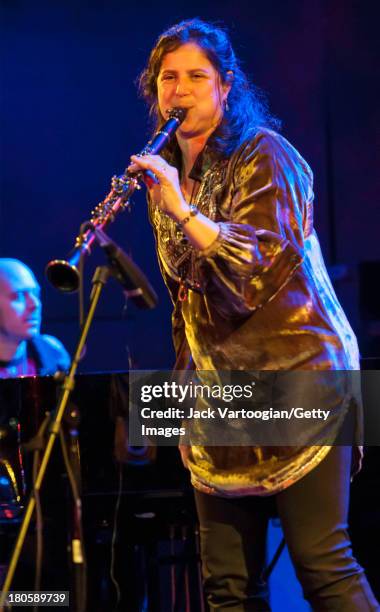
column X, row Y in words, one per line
column 138, row 515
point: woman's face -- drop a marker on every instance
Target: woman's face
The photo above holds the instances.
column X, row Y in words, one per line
column 188, row 79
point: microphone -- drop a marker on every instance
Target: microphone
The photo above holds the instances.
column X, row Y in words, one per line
column 135, row 284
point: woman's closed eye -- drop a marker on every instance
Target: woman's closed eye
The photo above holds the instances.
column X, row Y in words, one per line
column 194, row 75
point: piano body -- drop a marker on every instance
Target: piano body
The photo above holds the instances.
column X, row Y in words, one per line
column 152, row 543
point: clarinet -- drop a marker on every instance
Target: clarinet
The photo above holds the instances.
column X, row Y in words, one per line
column 64, row 274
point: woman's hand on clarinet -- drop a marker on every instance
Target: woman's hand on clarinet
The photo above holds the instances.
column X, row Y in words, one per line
column 167, row 192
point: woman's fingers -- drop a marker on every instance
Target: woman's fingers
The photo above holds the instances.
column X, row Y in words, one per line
column 169, row 198
column 133, row 168
column 149, row 176
column 155, row 163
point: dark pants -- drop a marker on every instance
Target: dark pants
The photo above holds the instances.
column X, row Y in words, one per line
column 313, row 513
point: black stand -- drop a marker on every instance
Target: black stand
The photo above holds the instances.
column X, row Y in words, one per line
column 76, row 552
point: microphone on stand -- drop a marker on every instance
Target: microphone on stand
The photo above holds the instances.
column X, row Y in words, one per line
column 135, row 284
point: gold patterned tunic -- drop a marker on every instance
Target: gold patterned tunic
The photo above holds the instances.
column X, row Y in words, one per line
column 259, row 297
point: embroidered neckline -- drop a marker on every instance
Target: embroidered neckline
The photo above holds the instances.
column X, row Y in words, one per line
column 178, row 257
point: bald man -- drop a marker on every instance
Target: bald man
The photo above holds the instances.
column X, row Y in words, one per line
column 23, row 350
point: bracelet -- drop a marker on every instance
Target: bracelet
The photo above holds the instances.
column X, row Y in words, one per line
column 193, row 212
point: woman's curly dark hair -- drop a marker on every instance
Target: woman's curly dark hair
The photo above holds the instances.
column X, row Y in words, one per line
column 247, row 106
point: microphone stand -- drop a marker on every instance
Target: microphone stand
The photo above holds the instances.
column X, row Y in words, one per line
column 76, row 553
column 124, row 269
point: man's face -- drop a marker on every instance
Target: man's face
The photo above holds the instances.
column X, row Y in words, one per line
column 20, row 305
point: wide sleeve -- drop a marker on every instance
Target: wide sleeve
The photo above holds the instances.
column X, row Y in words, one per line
column 261, row 237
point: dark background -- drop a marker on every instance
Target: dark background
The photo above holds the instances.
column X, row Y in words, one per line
column 70, row 119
